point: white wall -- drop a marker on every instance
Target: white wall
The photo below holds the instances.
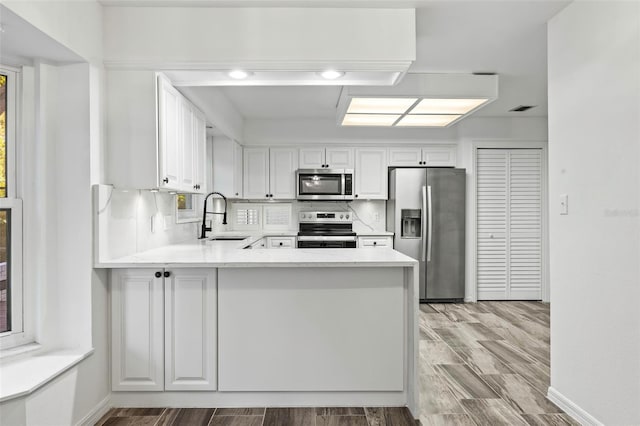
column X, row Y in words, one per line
column 62, row 155
column 594, row 153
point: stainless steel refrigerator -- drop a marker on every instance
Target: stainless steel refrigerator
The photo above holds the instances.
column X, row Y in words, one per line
column 426, row 213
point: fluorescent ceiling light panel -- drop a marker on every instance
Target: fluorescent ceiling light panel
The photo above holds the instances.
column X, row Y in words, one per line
column 380, row 105
column 370, row 119
column 446, row 106
column 433, row 120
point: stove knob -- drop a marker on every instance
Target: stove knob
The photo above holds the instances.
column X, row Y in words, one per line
column 347, row 216
column 303, row 216
column 341, row 216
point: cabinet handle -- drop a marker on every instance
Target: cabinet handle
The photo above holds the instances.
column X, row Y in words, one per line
column 375, row 243
column 236, row 194
column 266, row 195
column 356, row 195
column 280, row 243
column 158, row 274
column 167, row 274
column 165, row 180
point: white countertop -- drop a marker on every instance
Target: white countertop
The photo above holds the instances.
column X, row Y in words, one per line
column 221, row 254
column 374, row 234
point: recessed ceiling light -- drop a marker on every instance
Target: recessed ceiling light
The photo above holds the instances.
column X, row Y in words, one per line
column 446, row 106
column 331, row 74
column 380, row 105
column 239, row 74
column 427, row 120
column 370, row 119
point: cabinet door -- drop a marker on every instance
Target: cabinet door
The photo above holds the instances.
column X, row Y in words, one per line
column 339, row 158
column 200, row 152
column 256, row 173
column 283, row 163
column 136, row 330
column 190, row 329
column 380, row 241
column 405, row 157
column 439, row 156
column 371, row 173
column 187, row 147
column 311, row 158
column 170, row 135
column 237, row 171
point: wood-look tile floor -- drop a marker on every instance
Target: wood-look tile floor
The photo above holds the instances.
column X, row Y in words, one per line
column 334, row 416
column 486, row 363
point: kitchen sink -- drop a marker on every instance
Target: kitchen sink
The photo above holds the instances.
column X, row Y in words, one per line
column 227, row 238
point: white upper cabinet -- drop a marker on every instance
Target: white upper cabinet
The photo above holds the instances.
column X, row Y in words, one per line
column 326, row 158
column 405, row 157
column 200, row 151
column 256, row 173
column 227, row 167
column 431, row 156
column 171, row 112
column 188, row 147
column 270, row 173
column 339, row 158
column 156, row 137
column 371, row 173
column 283, row 163
column 311, row 158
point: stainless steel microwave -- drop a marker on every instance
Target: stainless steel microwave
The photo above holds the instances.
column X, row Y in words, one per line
column 324, row 184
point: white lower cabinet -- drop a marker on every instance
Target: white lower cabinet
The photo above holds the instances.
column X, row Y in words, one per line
column 375, row 241
column 281, row 242
column 164, row 330
column 190, row 332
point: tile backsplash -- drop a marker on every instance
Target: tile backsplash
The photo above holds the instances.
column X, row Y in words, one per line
column 131, row 221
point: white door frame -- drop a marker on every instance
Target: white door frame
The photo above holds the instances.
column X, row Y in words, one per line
column 473, row 253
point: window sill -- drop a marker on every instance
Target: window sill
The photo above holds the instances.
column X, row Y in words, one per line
column 24, row 374
column 6, row 354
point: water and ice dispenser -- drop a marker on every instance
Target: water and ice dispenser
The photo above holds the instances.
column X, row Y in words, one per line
column 411, row 223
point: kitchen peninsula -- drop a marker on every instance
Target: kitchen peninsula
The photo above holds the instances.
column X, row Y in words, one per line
column 209, row 323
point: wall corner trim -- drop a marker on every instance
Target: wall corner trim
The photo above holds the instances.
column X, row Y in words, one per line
column 571, row 408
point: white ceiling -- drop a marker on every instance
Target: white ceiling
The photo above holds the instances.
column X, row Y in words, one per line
column 505, row 37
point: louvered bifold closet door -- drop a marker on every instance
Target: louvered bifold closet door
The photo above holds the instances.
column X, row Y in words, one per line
column 509, row 224
column 525, row 224
column 491, row 202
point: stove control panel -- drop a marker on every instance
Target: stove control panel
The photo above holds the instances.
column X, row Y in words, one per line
column 324, row 217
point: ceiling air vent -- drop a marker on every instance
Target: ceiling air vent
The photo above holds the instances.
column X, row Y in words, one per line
column 522, row 108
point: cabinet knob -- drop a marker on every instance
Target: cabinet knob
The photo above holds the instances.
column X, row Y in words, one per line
column 165, row 180
column 266, row 195
column 375, row 243
column 356, row 195
column 167, row 274
column 236, row 194
column 280, row 243
column 158, row 274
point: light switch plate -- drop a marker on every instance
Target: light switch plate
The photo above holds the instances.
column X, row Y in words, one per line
column 564, row 204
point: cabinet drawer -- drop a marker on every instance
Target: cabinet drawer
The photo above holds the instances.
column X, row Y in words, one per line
column 281, row 242
column 375, row 242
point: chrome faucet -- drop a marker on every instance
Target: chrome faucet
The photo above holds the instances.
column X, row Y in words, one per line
column 205, row 228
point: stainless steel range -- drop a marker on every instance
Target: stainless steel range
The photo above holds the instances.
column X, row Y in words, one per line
column 326, row 230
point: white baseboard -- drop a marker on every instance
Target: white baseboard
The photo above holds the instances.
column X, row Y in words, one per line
column 572, row 409
column 96, row 414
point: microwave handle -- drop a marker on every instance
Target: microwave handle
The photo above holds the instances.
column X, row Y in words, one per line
column 344, row 189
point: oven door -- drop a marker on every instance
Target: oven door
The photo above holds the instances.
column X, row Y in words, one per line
column 318, row 184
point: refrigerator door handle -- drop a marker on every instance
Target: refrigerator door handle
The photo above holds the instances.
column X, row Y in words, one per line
column 430, row 219
column 424, row 225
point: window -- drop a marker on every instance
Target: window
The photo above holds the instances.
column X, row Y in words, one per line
column 12, row 323
column 188, row 208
